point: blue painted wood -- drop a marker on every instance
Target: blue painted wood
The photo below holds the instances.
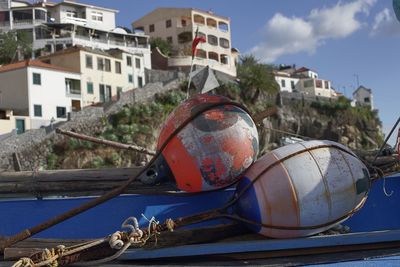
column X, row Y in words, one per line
column 380, row 211
column 264, row 245
column 384, row 261
column 17, row 215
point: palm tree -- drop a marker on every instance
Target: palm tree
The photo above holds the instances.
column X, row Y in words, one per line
column 256, row 79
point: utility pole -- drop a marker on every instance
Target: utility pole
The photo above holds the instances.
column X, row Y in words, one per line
column 357, row 80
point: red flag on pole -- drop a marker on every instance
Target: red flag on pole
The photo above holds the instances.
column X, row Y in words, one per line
column 196, row 41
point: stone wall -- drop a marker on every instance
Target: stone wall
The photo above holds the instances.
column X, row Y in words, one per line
column 163, row 76
column 34, row 146
column 288, row 98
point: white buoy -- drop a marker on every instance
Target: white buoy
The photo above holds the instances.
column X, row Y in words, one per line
column 307, row 184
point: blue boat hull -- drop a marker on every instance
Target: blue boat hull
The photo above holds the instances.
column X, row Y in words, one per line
column 376, row 223
column 106, row 218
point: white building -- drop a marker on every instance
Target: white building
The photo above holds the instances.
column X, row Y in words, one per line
column 104, row 74
column 363, row 97
column 303, row 80
column 286, row 82
column 178, row 26
column 44, row 93
column 56, row 26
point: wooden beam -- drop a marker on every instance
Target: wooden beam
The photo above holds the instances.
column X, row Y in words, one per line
column 73, row 183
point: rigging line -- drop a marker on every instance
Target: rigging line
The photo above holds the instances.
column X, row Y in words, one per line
column 24, row 234
column 386, row 140
column 289, row 133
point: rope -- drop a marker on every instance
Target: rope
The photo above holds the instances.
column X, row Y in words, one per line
column 135, row 237
column 288, row 133
column 24, row 262
column 117, row 191
column 222, row 211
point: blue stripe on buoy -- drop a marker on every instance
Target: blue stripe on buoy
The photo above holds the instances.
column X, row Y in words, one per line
column 247, row 207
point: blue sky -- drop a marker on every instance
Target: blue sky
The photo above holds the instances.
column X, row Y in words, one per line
column 341, row 40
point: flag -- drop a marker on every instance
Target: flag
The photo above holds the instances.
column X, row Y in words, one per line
column 196, row 41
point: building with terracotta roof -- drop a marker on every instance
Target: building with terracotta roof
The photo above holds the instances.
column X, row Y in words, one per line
column 40, row 92
column 56, row 26
column 104, row 74
column 178, row 26
column 303, row 80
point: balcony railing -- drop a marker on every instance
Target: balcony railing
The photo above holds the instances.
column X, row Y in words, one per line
column 4, row 24
column 23, row 21
column 78, row 21
column 73, row 91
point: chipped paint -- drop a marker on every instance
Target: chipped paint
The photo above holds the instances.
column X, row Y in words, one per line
column 220, row 144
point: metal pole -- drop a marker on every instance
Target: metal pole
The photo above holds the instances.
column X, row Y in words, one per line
column 190, row 78
column 387, row 138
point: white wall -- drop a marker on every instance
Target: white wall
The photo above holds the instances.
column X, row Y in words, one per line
column 50, row 94
column 288, row 83
column 108, row 22
column 360, row 96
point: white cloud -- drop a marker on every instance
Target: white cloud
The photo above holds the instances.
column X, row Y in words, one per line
column 284, row 35
column 385, row 23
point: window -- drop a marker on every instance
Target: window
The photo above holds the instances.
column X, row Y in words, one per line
column 137, row 63
column 130, row 78
column 89, row 62
column 292, row 85
column 169, row 39
column 37, row 79
column 183, row 22
column 71, row 14
column 61, row 112
column 223, row 26
column 117, row 67
column 40, row 14
column 100, row 63
column 107, row 65
column 89, row 87
column 318, row 83
column 140, row 82
column 211, row 23
column 97, row 16
column 212, row 40
column 37, row 110
column 283, row 83
column 326, row 85
column 168, row 23
column 128, row 60
column 224, row 42
column 199, row 19
column 366, row 99
column 151, row 28
column 73, row 86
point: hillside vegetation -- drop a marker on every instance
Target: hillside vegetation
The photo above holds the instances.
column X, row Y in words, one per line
column 356, row 127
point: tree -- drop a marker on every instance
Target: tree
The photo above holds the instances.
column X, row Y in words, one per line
column 256, row 79
column 163, row 45
column 13, row 46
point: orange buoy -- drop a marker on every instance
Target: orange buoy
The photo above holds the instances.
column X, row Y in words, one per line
column 214, row 149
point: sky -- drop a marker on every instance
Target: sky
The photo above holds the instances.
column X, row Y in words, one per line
column 350, row 42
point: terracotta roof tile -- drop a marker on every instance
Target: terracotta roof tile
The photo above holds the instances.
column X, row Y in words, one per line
column 33, row 63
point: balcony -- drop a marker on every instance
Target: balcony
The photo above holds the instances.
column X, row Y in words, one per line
column 74, row 20
column 73, row 87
